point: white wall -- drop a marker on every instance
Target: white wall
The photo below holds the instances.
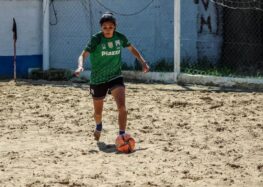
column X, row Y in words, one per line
column 197, row 40
column 28, row 15
column 151, row 30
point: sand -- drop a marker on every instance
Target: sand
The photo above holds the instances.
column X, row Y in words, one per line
column 186, row 136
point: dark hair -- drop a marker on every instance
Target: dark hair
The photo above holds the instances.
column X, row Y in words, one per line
column 107, row 17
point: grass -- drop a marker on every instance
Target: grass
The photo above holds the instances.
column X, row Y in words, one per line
column 52, row 74
column 204, row 66
column 162, row 65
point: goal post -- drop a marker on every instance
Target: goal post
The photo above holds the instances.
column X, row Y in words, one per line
column 177, row 38
column 192, row 72
column 46, row 46
column 181, row 68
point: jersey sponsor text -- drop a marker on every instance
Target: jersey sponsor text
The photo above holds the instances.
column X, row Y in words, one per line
column 110, row 53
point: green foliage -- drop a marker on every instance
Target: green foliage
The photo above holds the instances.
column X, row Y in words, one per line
column 205, row 66
column 137, row 65
column 52, row 74
column 125, row 66
column 161, row 65
column 37, row 74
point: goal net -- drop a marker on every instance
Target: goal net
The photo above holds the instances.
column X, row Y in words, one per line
column 241, row 4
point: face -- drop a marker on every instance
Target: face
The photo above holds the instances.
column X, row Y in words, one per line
column 107, row 29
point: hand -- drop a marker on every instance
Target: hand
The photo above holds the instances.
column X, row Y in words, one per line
column 78, row 71
column 145, row 67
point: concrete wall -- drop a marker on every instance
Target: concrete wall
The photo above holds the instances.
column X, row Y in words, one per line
column 151, row 30
column 74, row 21
column 28, row 15
column 202, row 30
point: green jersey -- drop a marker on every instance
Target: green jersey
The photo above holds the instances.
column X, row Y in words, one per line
column 105, row 56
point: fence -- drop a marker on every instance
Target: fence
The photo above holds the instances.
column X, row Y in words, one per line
column 218, row 38
column 229, row 41
column 147, row 24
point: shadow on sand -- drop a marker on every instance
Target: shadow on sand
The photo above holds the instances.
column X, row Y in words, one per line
column 106, row 148
column 110, row 148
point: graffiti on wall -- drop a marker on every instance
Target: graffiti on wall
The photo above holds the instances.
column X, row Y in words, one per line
column 209, row 30
column 209, row 17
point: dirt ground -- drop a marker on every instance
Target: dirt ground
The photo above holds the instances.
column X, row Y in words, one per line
column 186, row 136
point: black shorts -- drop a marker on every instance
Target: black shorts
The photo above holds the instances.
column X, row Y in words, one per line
column 99, row 91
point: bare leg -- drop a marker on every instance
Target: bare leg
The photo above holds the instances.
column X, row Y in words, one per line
column 119, row 96
column 98, row 107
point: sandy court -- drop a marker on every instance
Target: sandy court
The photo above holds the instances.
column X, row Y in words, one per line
column 186, row 136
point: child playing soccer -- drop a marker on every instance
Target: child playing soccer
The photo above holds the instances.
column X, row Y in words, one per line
column 104, row 50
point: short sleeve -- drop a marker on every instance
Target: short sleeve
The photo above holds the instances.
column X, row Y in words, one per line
column 92, row 45
column 125, row 42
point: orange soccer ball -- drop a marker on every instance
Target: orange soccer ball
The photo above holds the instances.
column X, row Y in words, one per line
column 125, row 143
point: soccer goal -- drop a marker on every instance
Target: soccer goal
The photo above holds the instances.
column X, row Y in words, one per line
column 217, row 42
column 228, row 46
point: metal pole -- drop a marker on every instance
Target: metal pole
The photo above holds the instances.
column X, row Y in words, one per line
column 15, row 60
column 14, row 29
column 46, row 34
column 177, row 38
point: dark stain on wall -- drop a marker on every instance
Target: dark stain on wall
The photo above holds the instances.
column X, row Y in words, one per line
column 206, row 20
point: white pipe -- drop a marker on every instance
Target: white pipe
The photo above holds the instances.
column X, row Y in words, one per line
column 177, row 38
column 46, row 34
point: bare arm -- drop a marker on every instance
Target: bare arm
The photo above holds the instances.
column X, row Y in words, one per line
column 137, row 54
